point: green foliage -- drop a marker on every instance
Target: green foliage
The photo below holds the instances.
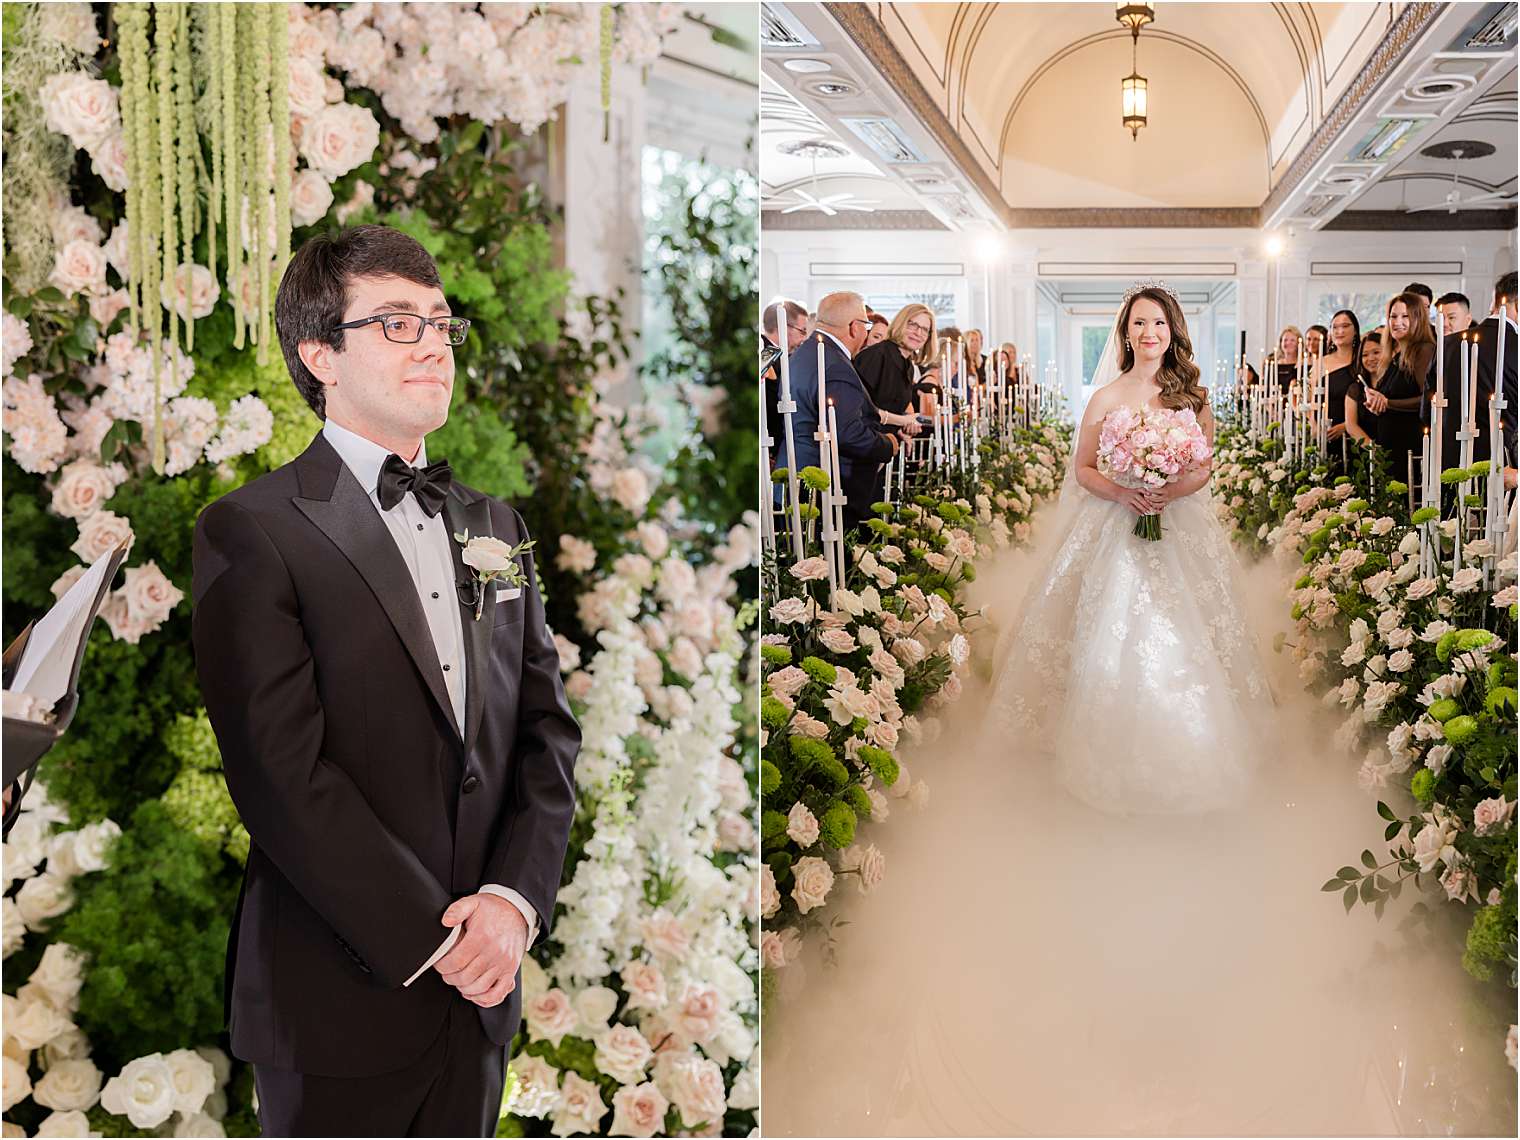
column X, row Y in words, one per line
column 1490, row 939
column 155, row 926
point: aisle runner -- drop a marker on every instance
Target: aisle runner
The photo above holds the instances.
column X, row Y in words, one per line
column 850, row 667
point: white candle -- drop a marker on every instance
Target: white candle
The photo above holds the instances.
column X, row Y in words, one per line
column 822, row 398
column 836, row 497
column 788, row 407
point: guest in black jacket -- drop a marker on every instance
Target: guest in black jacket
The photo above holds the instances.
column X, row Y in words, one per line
column 1456, row 313
column 1504, row 315
column 864, row 444
column 890, row 370
column 796, row 330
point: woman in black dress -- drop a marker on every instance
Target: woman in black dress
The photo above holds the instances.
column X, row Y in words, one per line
column 1361, row 421
column 1288, row 344
column 1339, row 365
column 889, row 370
column 1409, row 346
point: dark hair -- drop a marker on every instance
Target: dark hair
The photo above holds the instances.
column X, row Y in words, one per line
column 768, row 315
column 878, row 319
column 1423, row 290
column 1324, row 335
column 1375, row 336
column 1454, row 299
column 1356, row 331
column 1178, row 375
column 314, row 291
column 1506, row 286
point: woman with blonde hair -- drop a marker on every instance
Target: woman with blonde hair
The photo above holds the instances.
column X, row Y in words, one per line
column 1288, row 343
column 889, row 370
column 1409, row 348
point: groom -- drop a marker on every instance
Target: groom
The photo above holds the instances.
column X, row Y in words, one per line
column 402, row 759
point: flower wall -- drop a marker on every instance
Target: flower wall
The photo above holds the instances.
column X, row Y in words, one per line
column 122, row 874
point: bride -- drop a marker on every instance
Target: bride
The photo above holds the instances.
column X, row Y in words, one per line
column 1131, row 665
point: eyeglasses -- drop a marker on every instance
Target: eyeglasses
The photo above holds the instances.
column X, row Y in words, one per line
column 406, row 328
column 800, row 330
column 917, row 327
column 859, row 321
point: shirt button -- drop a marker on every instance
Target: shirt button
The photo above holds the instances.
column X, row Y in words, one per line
column 435, row 595
column 469, row 785
column 445, row 668
column 419, row 526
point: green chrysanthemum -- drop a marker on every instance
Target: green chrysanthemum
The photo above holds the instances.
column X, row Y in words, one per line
column 1422, row 786
column 1424, row 515
column 814, row 478
column 856, row 797
column 819, row 670
column 1444, row 709
column 776, row 654
column 837, row 827
column 770, row 777
column 1461, row 729
column 1454, row 475
column 1395, row 487
column 773, row 714
column 772, row 826
column 881, row 762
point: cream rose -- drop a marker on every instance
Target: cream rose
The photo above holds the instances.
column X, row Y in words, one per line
column 623, row 1053
column 66, row 1125
column 70, row 1086
column 645, row 985
column 150, row 596
column 340, row 138
column 92, row 845
column 79, row 267
column 109, row 160
column 194, row 1080
column 199, row 1124
column 665, row 935
column 15, row 1086
column 100, row 533
column 638, row 1110
column 307, row 87
column 770, row 897
column 143, row 1092
column 86, row 110
column 812, row 879
column 42, row 898
column 84, row 486
column 630, row 489
column 192, row 292
column 60, row 973
column 104, row 310
column 34, row 1023
column 310, row 198
column 802, row 826
column 487, row 555
column 550, row 1016
column 695, row 1086
column 699, row 1012
column 580, row 1108
column 537, row 1090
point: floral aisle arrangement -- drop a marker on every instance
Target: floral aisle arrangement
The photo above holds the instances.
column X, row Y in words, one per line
column 122, row 873
column 847, row 678
column 1424, row 667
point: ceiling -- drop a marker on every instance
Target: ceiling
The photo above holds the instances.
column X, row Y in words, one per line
column 1260, row 114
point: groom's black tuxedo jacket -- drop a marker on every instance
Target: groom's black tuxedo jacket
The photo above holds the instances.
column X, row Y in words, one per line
column 369, row 810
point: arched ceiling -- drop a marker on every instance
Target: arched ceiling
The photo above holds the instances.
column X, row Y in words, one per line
column 1259, row 113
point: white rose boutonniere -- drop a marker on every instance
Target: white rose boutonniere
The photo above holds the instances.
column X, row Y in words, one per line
column 493, row 560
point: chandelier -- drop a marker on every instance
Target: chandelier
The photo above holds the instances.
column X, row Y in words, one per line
column 1134, row 88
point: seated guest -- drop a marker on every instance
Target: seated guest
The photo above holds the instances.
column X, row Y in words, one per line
column 863, row 443
column 890, row 369
column 950, row 337
column 878, row 333
column 976, row 363
column 1361, row 422
column 770, row 375
column 1314, row 340
column 1007, row 361
column 1456, row 313
column 1288, row 343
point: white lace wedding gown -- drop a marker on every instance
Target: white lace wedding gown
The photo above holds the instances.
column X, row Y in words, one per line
column 1132, row 666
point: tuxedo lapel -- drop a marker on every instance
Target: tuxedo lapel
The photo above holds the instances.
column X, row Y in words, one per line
column 467, row 513
column 335, row 503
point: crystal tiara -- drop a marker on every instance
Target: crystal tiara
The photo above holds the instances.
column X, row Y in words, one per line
column 1161, row 285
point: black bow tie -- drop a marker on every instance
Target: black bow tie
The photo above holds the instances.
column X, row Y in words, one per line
column 430, row 484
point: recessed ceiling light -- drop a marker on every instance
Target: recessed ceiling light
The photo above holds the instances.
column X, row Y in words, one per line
column 806, row 66
column 832, row 88
column 813, row 148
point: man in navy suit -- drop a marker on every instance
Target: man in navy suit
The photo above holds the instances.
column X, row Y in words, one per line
column 864, row 443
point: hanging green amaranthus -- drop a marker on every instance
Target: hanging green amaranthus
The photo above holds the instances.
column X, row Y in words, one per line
column 606, row 61
column 239, row 79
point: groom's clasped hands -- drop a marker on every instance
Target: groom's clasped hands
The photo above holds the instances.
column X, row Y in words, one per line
column 482, row 964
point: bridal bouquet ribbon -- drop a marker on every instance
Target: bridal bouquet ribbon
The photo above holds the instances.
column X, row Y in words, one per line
column 1150, row 448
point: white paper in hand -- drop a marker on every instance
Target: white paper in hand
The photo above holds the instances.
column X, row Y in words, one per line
column 47, row 663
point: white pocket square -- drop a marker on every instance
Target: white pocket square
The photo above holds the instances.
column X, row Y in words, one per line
column 507, row 593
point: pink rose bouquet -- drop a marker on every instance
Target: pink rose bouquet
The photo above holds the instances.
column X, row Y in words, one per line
column 1150, row 447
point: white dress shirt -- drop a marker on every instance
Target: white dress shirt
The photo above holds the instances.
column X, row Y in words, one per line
column 425, row 547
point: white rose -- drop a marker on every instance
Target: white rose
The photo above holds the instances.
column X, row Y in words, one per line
column 12, row 925
column 593, row 1006
column 44, row 897
column 79, row 267
column 580, row 1109
column 65, row 1125
column 872, row 867
column 70, row 1045
column 340, row 138
column 70, row 1086
column 812, row 879
column 84, row 109
column 34, row 1023
column 143, row 1092
column 100, row 533
column 487, row 555
column 638, row 1110
column 60, row 973
column 537, row 1089
column 194, row 1080
column 307, row 87
column 695, row 1086
column 15, row 1086
column 770, row 897
column 550, row 1016
column 109, row 160
column 623, row 1053
column 655, row 541
column 310, row 198
column 664, row 934
column 699, row 1012
column 92, row 845
column 72, row 25
column 191, row 293
column 772, row 950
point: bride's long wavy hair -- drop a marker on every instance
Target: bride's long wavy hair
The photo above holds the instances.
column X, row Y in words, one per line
column 1178, row 375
